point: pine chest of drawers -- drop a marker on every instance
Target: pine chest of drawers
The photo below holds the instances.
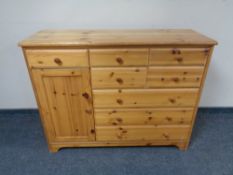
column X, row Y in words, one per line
column 117, row 87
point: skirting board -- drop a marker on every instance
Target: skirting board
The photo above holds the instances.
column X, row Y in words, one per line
column 200, row 110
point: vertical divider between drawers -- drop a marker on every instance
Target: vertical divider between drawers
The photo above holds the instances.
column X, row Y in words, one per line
column 92, row 94
column 147, row 68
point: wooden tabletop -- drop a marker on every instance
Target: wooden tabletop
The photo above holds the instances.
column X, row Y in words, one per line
column 151, row 37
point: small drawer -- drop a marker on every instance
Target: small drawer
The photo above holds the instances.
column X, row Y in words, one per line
column 143, row 116
column 179, row 56
column 57, row 58
column 170, row 76
column 119, row 57
column 127, row 98
column 161, row 132
column 118, row 77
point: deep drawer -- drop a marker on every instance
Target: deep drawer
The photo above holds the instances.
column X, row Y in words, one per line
column 113, row 133
column 144, row 116
column 119, row 57
column 145, row 98
column 180, row 56
column 118, row 77
column 57, row 58
column 170, row 76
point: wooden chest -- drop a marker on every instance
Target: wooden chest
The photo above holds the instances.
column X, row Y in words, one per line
column 117, row 87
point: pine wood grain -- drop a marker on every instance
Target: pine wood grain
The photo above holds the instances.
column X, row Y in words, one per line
column 119, row 57
column 144, row 98
column 117, row 87
column 178, row 56
column 119, row 77
column 143, row 116
column 141, row 133
column 108, row 38
column 57, row 58
column 173, row 76
column 66, row 107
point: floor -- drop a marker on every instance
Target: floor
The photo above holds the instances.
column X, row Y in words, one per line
column 23, row 150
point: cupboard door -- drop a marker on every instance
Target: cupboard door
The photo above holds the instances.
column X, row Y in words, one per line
column 65, row 97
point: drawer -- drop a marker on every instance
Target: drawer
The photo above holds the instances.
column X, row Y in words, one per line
column 170, row 76
column 57, row 58
column 144, row 116
column 181, row 56
column 118, row 77
column 145, row 98
column 119, row 57
column 113, row 133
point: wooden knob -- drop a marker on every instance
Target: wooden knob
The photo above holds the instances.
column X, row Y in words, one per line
column 119, row 60
column 119, row 101
column 86, row 95
column 58, row 61
column 119, row 80
column 92, row 131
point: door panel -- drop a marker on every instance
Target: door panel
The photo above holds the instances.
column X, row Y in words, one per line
column 66, row 95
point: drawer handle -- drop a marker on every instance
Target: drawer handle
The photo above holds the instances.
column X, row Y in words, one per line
column 119, row 80
column 58, row 61
column 119, row 60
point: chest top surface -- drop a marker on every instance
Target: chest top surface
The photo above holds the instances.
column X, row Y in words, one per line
column 101, row 38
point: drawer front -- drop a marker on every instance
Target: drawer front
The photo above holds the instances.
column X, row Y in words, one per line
column 118, row 77
column 182, row 56
column 144, row 116
column 169, row 76
column 57, row 58
column 119, row 57
column 114, row 133
column 145, row 98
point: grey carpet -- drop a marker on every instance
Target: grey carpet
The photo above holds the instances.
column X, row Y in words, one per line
column 23, row 150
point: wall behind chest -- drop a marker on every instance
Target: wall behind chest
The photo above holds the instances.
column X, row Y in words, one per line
column 18, row 19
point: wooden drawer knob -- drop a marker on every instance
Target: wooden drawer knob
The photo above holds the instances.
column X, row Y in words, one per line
column 119, row 60
column 119, row 101
column 58, row 61
column 119, row 80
